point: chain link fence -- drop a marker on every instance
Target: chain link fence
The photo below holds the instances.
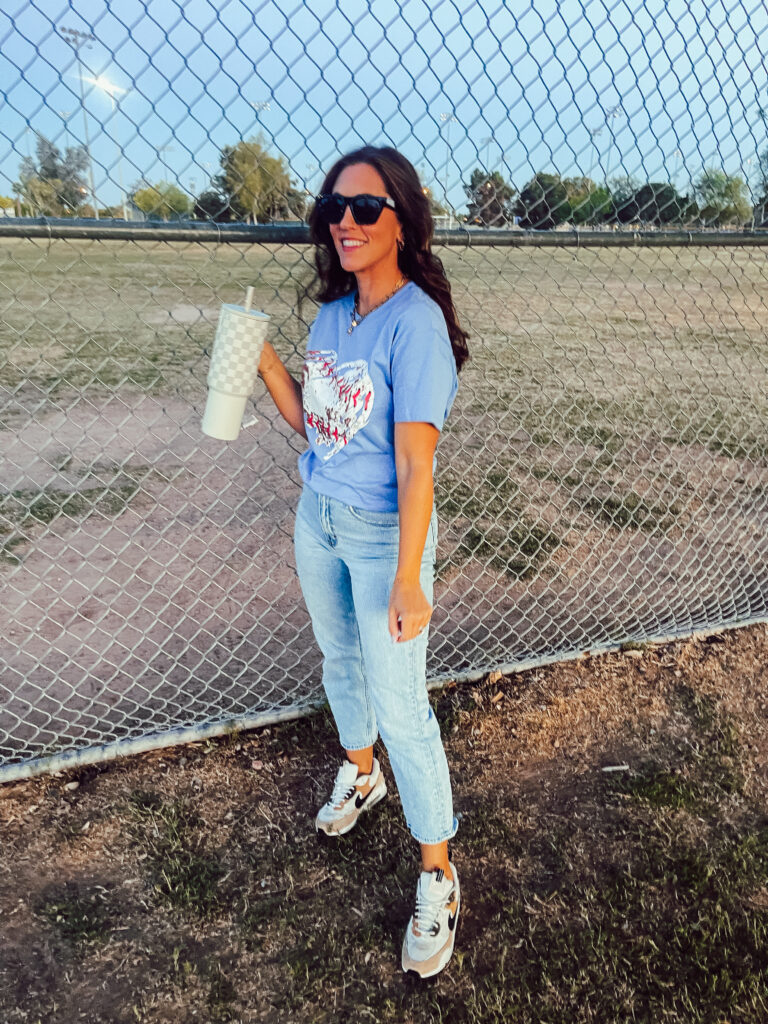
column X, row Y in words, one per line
column 599, row 181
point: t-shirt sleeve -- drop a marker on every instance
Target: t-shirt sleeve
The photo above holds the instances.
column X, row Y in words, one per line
column 424, row 381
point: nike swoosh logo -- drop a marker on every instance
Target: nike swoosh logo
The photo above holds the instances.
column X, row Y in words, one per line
column 452, row 921
column 360, row 800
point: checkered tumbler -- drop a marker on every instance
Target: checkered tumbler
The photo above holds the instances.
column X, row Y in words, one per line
column 232, row 374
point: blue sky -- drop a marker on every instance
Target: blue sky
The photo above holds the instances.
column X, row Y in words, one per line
column 656, row 89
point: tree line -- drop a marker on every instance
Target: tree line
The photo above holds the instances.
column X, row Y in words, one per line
column 716, row 199
column 255, row 186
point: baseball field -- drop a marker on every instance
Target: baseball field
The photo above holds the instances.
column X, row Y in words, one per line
column 602, row 478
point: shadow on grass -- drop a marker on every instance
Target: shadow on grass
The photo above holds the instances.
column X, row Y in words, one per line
column 184, row 873
column 631, row 899
column 81, row 914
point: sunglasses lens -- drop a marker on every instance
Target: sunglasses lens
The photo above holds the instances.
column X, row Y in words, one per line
column 366, row 209
column 331, row 208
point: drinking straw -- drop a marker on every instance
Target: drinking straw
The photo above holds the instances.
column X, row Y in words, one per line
column 248, row 299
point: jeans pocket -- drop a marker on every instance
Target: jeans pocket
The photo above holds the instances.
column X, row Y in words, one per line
column 365, row 515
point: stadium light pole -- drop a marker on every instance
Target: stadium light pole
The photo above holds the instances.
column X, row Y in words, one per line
column 65, row 116
column 448, row 119
column 76, row 40
column 27, row 130
column 679, row 159
column 610, row 116
column 259, row 106
column 167, row 148
column 312, row 170
column 103, row 83
column 161, row 151
column 747, row 168
column 487, row 143
column 593, row 133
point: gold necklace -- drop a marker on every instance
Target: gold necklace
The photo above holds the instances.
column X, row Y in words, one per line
column 357, row 318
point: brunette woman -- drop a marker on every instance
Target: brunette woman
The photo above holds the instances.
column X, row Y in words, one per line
column 379, row 379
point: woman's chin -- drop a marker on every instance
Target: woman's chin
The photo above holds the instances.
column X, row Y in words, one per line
column 349, row 263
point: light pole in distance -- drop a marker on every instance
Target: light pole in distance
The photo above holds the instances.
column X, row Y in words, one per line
column 448, row 119
column 112, row 90
column 76, row 40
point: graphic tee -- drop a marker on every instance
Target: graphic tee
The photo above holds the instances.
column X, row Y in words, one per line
column 396, row 366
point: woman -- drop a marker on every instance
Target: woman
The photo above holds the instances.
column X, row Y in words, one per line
column 378, row 381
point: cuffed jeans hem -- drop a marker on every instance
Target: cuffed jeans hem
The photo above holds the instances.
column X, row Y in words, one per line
column 441, row 839
column 354, row 747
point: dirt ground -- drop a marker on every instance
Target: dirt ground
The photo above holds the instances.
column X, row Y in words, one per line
column 188, row 885
column 602, row 476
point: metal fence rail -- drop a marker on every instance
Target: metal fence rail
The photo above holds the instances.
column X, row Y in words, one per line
column 298, row 233
column 603, row 477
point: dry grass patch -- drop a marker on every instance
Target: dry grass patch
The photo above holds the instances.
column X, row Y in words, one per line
column 189, row 883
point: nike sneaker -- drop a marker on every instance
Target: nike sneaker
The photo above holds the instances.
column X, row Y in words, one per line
column 352, row 794
column 428, row 942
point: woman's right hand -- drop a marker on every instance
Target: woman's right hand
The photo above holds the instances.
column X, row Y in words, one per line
column 409, row 610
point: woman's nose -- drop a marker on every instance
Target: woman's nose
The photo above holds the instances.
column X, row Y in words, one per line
column 347, row 221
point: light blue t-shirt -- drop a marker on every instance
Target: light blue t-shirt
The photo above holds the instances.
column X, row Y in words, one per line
column 396, row 366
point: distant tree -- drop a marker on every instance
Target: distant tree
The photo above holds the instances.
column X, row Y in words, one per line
column 589, row 203
column 296, row 204
column 489, row 198
column 53, row 185
column 761, row 206
column 6, row 203
column 722, row 198
column 543, row 203
column 762, row 165
column 436, row 208
column 162, row 201
column 760, row 211
column 659, row 203
column 257, row 185
column 623, row 190
column 214, row 206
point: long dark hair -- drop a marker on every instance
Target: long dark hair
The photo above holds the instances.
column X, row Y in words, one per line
column 416, row 259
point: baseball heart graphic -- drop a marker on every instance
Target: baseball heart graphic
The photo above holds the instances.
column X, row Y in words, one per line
column 338, row 399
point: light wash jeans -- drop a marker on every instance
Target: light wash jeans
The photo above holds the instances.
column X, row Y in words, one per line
column 346, row 560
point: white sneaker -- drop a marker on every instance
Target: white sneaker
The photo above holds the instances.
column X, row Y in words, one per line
column 429, row 938
column 347, row 801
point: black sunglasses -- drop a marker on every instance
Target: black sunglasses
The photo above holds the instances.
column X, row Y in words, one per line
column 365, row 209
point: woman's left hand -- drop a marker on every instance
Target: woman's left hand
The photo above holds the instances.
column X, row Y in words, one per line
column 409, row 611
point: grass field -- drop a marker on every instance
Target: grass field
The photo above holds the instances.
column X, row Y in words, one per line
column 593, row 353
column 602, row 477
column 602, row 480
column 592, row 345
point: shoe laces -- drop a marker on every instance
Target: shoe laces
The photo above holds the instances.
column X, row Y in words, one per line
column 341, row 789
column 427, row 911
